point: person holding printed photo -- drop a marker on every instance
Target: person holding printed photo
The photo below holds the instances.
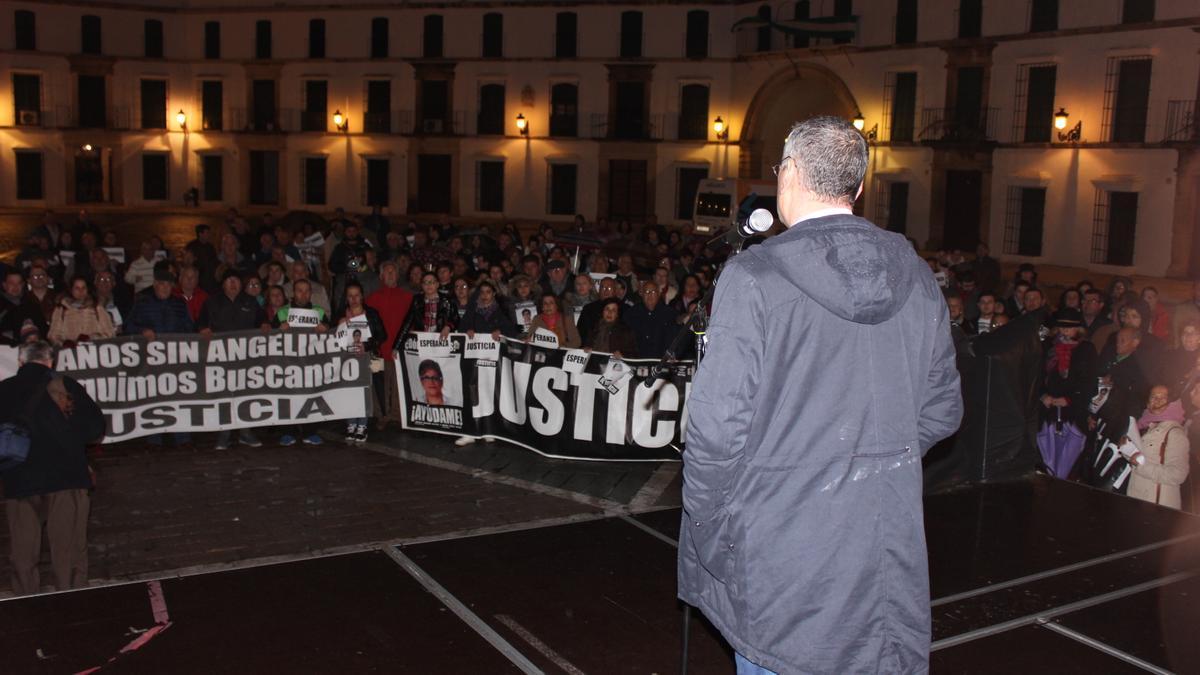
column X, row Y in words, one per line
column 302, row 289
column 356, row 311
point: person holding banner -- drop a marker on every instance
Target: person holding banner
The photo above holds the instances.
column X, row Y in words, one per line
column 829, row 372
column 78, row 318
column 610, row 334
column 430, row 311
column 301, row 314
column 359, row 317
column 161, row 313
column 553, row 319
column 485, row 315
column 228, row 311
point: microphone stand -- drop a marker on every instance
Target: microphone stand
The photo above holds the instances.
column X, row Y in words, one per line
column 696, row 329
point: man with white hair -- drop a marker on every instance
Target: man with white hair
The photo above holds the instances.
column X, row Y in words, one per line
column 829, row 373
column 52, row 484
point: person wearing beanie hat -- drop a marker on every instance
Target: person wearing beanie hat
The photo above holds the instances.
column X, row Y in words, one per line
column 227, row 311
column 29, row 332
column 1069, row 375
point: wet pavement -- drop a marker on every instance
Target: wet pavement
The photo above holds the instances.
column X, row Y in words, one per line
column 479, row 560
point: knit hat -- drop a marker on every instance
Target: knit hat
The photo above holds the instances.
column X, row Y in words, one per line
column 230, row 273
column 1068, row 317
column 163, row 273
column 29, row 331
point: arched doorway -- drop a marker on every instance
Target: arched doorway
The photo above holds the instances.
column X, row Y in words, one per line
column 791, row 95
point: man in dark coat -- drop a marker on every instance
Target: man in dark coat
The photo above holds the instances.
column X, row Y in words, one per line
column 160, row 313
column 227, row 311
column 652, row 321
column 829, row 372
column 52, row 484
column 590, row 315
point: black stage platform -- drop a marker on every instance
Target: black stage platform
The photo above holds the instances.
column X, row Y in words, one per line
column 1035, row 576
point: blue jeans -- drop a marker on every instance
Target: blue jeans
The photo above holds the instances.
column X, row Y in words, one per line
column 745, row 667
column 357, row 420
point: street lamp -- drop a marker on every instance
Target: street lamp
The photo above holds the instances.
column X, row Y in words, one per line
column 340, row 122
column 721, row 130
column 1060, row 123
column 522, row 125
column 181, row 118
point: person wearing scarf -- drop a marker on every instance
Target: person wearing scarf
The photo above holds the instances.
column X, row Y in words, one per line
column 1069, row 376
column 1164, row 449
column 430, row 311
column 552, row 319
column 485, row 315
column 77, row 317
column 610, row 335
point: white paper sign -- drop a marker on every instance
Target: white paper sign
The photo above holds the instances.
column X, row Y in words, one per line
column 574, row 361
column 523, row 313
column 66, row 256
column 545, row 338
column 614, row 375
column 314, row 240
column 306, row 318
column 482, row 346
column 432, row 346
column 352, row 334
column 116, row 253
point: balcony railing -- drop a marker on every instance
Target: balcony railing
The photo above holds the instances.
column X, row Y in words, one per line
column 958, row 126
column 645, row 128
column 241, row 119
column 453, row 124
column 1181, row 122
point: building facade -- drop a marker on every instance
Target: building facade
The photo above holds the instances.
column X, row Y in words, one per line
column 541, row 110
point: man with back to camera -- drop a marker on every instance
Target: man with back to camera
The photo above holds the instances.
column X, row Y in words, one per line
column 829, row 373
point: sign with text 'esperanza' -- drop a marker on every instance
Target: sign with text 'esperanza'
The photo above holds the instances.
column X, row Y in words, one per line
column 229, row 381
column 557, row 402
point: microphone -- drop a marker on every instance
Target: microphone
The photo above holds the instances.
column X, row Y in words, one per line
column 758, row 222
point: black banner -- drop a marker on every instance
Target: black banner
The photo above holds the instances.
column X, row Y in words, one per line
column 557, row 402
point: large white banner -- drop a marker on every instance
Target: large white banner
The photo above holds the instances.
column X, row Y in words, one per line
column 229, row 381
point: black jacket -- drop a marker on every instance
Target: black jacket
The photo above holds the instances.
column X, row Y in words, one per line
column 224, row 315
column 654, row 330
column 447, row 315
column 499, row 320
column 57, row 459
column 1078, row 387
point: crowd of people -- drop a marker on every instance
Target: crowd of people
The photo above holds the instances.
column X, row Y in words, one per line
column 627, row 292
column 1110, row 353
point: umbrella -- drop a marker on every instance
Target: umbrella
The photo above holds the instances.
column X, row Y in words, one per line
column 1061, row 444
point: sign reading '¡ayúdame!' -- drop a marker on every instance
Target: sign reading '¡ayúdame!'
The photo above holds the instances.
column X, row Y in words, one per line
column 557, row 402
column 229, row 381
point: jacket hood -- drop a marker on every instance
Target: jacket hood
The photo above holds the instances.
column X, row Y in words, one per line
column 849, row 266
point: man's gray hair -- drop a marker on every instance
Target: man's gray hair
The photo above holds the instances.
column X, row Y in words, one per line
column 831, row 156
column 38, row 350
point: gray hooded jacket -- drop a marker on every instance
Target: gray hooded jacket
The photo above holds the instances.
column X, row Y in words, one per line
column 829, row 373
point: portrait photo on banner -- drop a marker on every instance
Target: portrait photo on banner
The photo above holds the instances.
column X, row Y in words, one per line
column 440, row 379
